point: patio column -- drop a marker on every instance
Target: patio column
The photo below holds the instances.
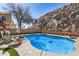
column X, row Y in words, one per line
column 73, row 28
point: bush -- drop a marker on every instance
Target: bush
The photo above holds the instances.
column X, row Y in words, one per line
column 11, row 51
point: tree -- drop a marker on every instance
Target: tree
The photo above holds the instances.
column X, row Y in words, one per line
column 21, row 14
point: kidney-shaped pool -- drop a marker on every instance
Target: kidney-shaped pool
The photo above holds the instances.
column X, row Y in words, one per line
column 53, row 44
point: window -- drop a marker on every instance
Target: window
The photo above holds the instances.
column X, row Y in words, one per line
column 4, row 18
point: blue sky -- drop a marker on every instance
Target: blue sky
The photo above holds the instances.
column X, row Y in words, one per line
column 39, row 9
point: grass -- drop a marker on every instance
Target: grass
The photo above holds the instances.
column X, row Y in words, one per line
column 11, row 51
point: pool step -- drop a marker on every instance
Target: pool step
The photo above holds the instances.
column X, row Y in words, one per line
column 43, row 53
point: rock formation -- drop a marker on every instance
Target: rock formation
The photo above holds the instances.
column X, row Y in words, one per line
column 61, row 19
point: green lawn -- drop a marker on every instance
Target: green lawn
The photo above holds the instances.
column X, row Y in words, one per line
column 11, row 51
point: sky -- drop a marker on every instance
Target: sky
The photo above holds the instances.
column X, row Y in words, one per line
column 39, row 9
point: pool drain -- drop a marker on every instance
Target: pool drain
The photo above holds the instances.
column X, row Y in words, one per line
column 50, row 41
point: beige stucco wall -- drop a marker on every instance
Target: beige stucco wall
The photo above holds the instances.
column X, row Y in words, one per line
column 8, row 23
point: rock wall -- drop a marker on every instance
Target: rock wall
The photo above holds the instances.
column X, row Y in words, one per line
column 61, row 19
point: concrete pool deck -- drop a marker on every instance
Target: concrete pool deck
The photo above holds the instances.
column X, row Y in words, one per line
column 26, row 49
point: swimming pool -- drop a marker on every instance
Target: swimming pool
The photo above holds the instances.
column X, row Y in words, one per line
column 53, row 44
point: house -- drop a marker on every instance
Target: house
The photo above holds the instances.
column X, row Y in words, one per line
column 6, row 21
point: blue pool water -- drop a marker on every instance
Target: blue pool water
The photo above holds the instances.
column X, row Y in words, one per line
column 53, row 44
